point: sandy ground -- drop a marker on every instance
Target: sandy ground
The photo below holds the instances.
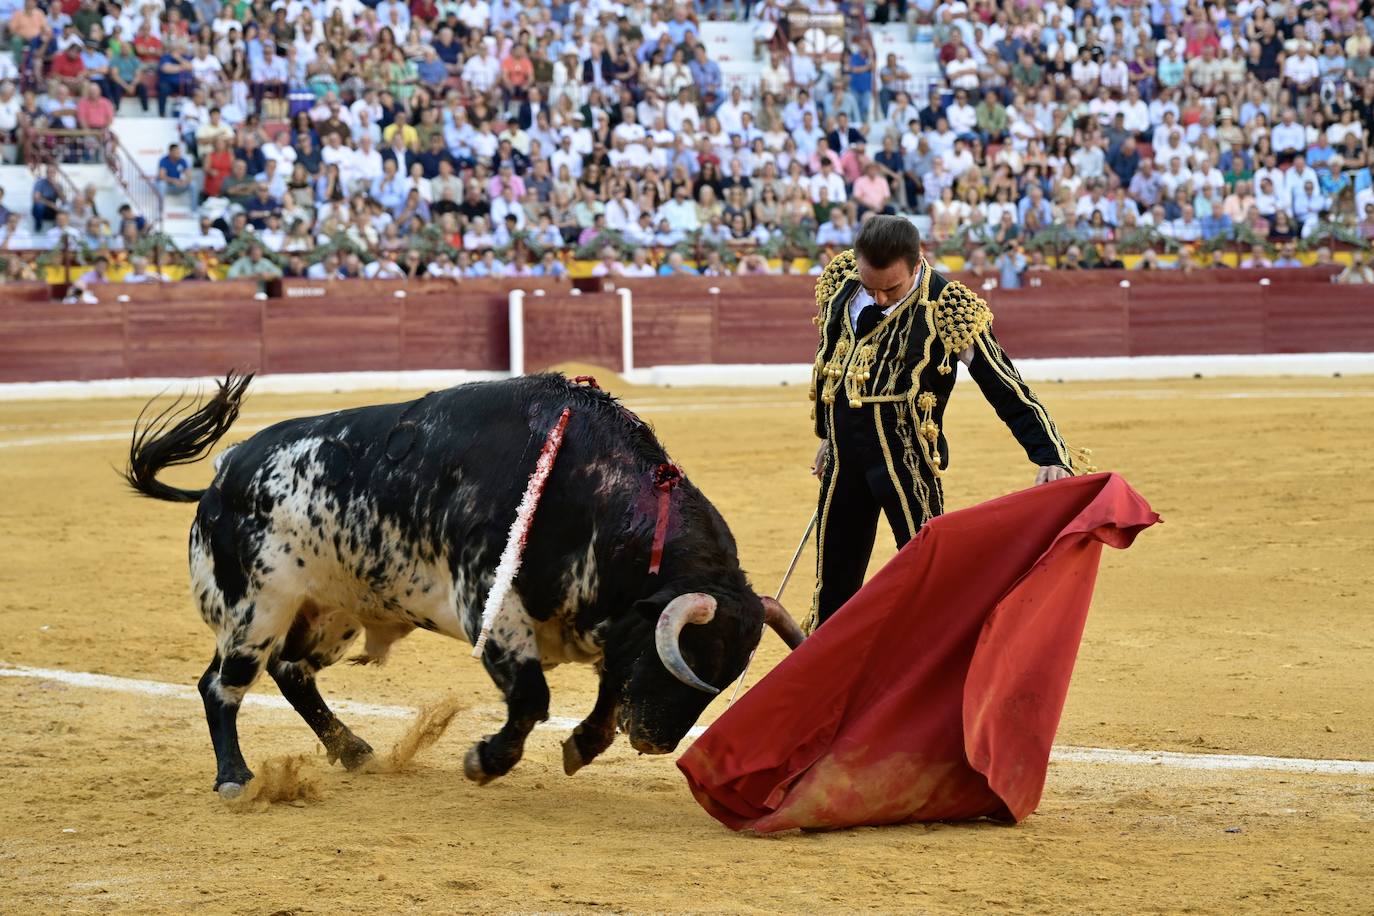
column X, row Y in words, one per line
column 1241, row 625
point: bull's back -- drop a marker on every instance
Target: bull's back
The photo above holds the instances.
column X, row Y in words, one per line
column 391, row 506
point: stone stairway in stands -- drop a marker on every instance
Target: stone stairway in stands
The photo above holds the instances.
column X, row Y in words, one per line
column 146, row 137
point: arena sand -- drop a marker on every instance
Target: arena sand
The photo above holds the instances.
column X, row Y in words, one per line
column 1241, row 625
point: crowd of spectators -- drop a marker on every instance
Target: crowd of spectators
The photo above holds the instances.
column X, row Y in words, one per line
column 504, row 138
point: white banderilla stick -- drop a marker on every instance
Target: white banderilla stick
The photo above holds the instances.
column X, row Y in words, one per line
column 514, row 551
column 791, row 567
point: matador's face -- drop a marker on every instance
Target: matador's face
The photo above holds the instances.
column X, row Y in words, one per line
column 887, row 285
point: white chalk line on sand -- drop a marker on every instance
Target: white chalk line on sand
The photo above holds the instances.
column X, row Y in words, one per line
column 1061, row 753
column 257, row 427
column 697, row 406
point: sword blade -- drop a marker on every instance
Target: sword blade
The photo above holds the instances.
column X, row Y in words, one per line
column 782, row 587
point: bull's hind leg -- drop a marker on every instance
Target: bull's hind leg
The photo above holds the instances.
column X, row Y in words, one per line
column 221, row 714
column 316, row 640
column 512, row 659
column 296, row 681
column 250, row 632
column 222, row 688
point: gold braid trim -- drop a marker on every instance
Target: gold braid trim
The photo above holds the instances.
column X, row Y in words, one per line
column 1077, row 460
column 892, row 471
column 960, row 316
column 832, row 278
column 841, row 268
column 832, row 474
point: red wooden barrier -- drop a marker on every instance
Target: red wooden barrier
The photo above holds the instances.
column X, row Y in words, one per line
column 205, row 329
column 560, row 328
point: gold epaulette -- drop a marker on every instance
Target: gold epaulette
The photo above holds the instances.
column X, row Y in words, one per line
column 841, row 267
column 960, row 316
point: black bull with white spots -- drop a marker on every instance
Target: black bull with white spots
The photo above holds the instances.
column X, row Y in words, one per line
column 376, row 521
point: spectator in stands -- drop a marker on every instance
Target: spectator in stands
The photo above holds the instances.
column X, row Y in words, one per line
column 139, row 272
column 94, row 111
column 254, row 264
column 836, row 232
column 174, row 174
column 47, row 198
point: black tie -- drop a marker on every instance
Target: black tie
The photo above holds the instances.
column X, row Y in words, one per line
column 869, row 318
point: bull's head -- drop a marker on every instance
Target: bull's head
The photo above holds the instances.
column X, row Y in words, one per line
column 701, row 643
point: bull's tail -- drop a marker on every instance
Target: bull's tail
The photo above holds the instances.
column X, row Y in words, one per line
column 181, row 434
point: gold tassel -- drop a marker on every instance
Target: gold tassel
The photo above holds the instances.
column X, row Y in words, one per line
column 1081, row 460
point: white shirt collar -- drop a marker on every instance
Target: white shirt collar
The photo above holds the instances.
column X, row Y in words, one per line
column 862, row 299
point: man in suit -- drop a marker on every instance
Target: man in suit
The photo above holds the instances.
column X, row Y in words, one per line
column 397, row 151
column 843, row 134
column 892, row 333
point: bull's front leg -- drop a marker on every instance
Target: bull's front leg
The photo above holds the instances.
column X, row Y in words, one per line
column 597, row 731
column 511, row 658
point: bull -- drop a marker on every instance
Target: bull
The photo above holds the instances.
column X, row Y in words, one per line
column 379, row 520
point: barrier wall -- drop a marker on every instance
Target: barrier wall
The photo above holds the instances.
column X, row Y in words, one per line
column 204, row 329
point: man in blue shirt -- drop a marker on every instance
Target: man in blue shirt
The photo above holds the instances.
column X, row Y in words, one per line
column 706, row 74
column 680, row 25
column 174, row 174
column 46, row 199
column 860, row 70
column 675, row 265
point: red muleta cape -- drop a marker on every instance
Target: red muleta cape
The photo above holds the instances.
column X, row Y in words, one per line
column 935, row 693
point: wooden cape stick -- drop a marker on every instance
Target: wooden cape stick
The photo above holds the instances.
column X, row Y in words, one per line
column 806, row 536
column 519, row 532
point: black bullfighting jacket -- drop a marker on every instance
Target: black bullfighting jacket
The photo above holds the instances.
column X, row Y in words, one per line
column 903, row 371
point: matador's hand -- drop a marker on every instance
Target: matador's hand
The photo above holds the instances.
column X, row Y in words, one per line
column 1051, row 473
column 818, row 463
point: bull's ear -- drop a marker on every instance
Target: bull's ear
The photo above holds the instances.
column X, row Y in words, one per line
column 651, row 607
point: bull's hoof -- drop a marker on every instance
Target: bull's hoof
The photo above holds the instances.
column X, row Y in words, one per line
column 572, row 757
column 472, row 766
column 229, row 790
column 354, row 755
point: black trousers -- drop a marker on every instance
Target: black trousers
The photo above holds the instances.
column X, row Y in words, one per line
column 857, row 485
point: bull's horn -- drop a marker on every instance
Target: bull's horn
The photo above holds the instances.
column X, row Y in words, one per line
column 781, row 622
column 693, row 607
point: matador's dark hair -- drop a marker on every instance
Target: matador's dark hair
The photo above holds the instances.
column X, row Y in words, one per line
column 885, row 239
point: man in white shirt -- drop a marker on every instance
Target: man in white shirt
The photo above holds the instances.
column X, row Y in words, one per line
column 681, row 110
column 729, row 113
column 1298, row 176
column 565, row 155
column 1301, row 71
column 334, row 152
column 1288, row 136
column 208, row 238
column 278, row 148
column 1176, row 176
column 1136, row 114
column 960, row 160
column 475, row 14
column 961, row 116
column 506, row 205
column 622, row 214
column 1269, row 201
column 482, row 71
column 1309, row 204
column 680, row 212
column 830, row 181
column 206, row 69
column 629, row 129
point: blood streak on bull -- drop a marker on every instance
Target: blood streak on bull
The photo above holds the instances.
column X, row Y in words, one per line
column 379, row 520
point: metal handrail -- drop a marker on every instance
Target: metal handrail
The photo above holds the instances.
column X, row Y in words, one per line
column 101, row 146
column 142, row 191
column 39, row 155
